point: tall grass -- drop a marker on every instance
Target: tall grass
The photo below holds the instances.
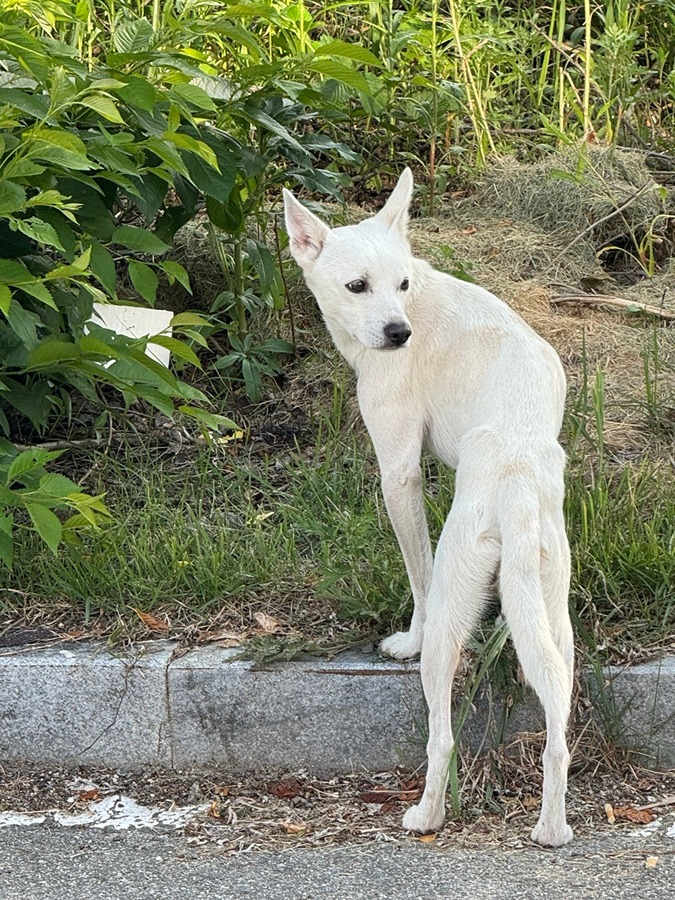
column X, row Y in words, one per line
column 220, row 530
column 455, row 81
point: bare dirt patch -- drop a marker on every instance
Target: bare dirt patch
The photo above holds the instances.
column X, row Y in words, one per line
column 293, row 809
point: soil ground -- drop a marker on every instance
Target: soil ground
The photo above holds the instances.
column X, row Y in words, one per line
column 296, row 810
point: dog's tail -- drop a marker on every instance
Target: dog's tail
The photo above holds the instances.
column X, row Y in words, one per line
column 523, row 601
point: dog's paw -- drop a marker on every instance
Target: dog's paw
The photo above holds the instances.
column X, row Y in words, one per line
column 402, row 645
column 418, row 819
column 548, row 836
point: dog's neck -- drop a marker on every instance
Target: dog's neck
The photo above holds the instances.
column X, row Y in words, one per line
column 351, row 349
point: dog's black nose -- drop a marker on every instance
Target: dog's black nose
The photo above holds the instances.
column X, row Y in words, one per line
column 397, row 333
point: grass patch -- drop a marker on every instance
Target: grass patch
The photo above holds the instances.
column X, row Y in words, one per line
column 222, row 533
column 222, row 538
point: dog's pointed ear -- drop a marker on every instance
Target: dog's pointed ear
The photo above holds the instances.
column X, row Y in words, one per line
column 306, row 233
column 395, row 210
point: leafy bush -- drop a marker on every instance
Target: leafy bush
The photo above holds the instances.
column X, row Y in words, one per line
column 30, row 494
column 113, row 134
column 89, row 158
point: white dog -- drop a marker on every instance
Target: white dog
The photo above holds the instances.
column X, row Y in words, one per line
column 445, row 365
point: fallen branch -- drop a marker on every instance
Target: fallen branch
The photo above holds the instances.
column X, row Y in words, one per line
column 61, row 445
column 620, row 303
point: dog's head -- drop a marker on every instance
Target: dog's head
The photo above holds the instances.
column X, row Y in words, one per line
column 360, row 274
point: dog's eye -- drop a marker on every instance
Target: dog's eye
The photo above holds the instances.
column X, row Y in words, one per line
column 405, row 284
column 357, row 287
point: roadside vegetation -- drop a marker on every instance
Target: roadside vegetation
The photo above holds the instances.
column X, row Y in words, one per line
column 234, row 496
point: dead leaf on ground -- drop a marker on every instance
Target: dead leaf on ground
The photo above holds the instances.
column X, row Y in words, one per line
column 416, row 781
column 651, row 862
column 382, row 795
column 267, row 623
column 152, row 622
column 87, row 796
column 427, row 838
column 642, row 816
column 298, row 828
column 286, row 789
column 76, row 633
column 469, row 230
column 222, row 638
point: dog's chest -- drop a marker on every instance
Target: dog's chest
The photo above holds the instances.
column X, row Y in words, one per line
column 442, row 441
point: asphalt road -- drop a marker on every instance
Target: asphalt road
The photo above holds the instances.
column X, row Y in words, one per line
column 55, row 863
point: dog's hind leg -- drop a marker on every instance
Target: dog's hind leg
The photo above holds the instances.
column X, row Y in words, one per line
column 552, row 828
column 463, row 569
column 555, row 582
column 542, row 637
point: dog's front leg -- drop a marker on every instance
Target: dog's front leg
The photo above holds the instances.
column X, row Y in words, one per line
column 394, row 422
column 403, row 497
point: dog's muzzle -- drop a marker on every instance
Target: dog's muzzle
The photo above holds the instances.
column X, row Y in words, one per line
column 397, row 333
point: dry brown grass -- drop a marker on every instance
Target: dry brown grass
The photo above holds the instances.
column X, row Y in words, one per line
column 516, row 260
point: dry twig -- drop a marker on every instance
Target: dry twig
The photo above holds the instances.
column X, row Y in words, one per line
column 619, row 302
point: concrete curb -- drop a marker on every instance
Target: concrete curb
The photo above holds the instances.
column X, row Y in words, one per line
column 82, row 705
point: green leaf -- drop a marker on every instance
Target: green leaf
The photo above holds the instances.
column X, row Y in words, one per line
column 133, row 36
column 214, row 421
column 62, row 89
column 194, row 95
column 156, row 398
column 330, row 68
column 178, row 348
column 262, row 118
column 5, row 298
column 46, row 524
column 82, row 261
column 50, row 198
column 14, row 272
column 92, row 345
column 199, row 148
column 28, row 461
column 35, row 105
column 275, row 345
column 135, row 238
column 40, row 231
column 188, row 319
column 23, row 324
column 207, row 179
column 195, row 336
column 104, row 106
column 139, row 92
column 6, row 543
column 41, row 292
column 57, row 486
column 22, row 168
column 59, row 147
column 12, row 197
column 51, row 353
column 176, row 272
column 168, row 154
column 144, row 279
column 103, row 266
column 348, row 51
